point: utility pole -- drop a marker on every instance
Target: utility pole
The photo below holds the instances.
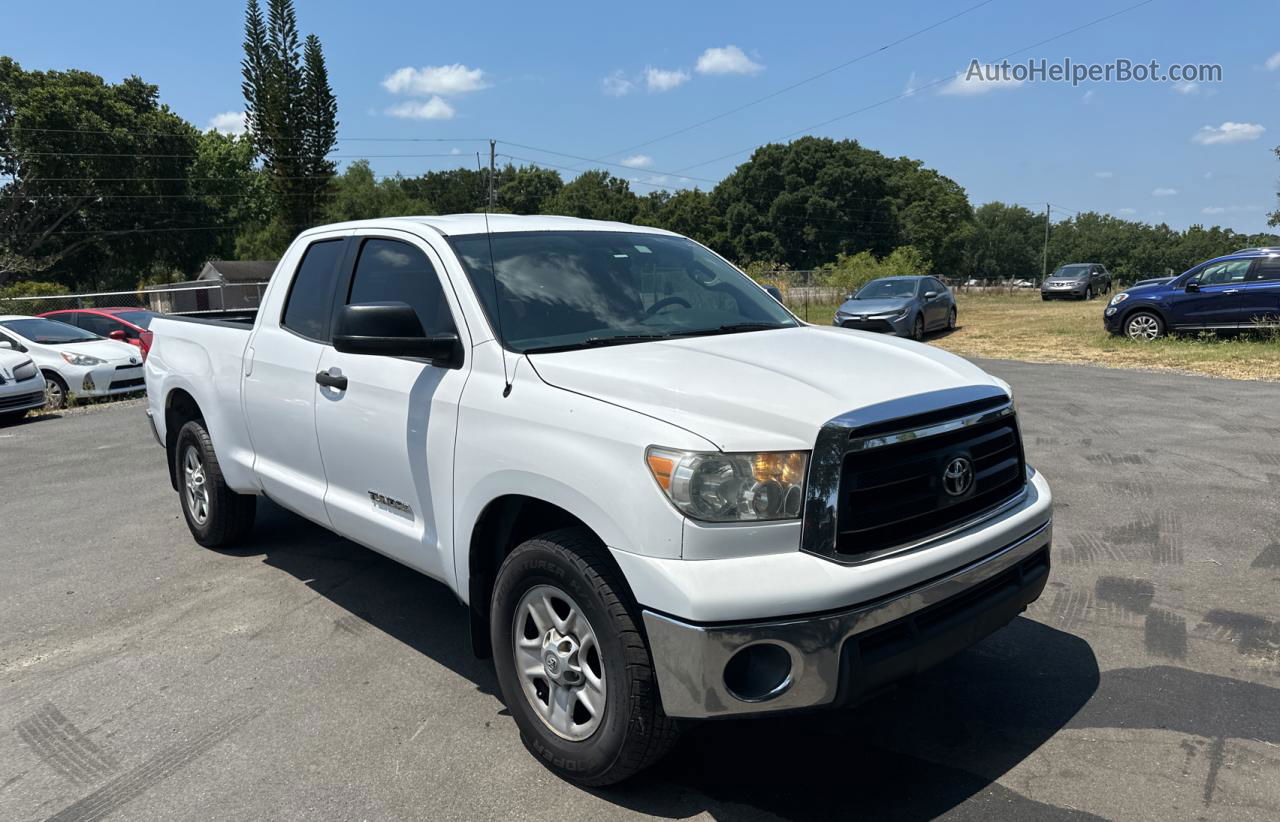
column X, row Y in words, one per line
column 493, row 145
column 1044, row 263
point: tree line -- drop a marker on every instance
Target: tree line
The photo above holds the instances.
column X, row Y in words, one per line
column 105, row 187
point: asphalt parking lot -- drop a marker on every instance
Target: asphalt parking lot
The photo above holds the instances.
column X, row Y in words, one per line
column 303, row 677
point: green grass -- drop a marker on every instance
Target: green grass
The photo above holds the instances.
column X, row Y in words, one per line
column 1021, row 326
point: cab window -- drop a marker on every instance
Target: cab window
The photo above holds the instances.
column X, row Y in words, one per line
column 393, row 271
column 1232, row 271
column 306, row 309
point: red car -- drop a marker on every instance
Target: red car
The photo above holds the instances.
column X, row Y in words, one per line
column 123, row 324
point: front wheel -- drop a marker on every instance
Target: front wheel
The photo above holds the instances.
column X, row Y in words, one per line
column 951, row 319
column 572, row 662
column 55, row 391
column 917, row 329
column 216, row 515
column 1143, row 326
column 1088, row 293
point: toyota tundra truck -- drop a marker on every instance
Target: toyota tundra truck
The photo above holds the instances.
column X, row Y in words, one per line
column 661, row 496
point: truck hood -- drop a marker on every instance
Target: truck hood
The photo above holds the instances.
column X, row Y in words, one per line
column 763, row 390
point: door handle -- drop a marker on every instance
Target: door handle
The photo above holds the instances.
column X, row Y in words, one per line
column 1232, row 291
column 328, row 380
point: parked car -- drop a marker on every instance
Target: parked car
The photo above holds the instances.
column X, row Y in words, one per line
column 1076, row 281
column 903, row 306
column 1232, row 292
column 659, row 493
column 21, row 386
column 128, row 325
column 1023, row 284
column 73, row 360
column 1264, row 250
column 1153, row 281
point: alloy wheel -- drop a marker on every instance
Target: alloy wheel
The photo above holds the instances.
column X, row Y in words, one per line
column 196, row 489
column 1143, row 328
column 558, row 660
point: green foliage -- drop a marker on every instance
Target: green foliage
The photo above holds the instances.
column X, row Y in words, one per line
column 1274, row 219
column 358, row 195
column 850, row 272
column 291, row 112
column 1007, row 242
column 527, row 190
column 688, row 212
column 596, row 195
column 30, row 288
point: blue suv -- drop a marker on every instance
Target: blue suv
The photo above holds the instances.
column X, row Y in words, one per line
column 1241, row 290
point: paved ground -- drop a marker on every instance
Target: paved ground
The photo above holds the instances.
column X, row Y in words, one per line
column 146, row 678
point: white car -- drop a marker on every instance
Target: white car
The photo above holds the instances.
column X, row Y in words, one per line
column 21, row 385
column 74, row 362
column 659, row 494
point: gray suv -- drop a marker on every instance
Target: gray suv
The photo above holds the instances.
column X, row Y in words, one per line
column 1076, row 281
column 905, row 306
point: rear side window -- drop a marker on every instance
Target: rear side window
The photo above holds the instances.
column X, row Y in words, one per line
column 392, row 271
column 1267, row 268
column 306, row 310
column 102, row 326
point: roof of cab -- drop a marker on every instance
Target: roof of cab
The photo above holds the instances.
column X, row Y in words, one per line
column 452, row 225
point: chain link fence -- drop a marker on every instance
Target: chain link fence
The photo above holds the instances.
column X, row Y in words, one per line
column 186, row 298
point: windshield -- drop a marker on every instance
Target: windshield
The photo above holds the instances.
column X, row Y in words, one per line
column 885, row 289
column 1071, row 272
column 142, row 319
column 575, row 289
column 48, row 332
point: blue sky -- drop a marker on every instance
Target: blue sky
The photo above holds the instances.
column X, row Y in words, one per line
column 589, row 80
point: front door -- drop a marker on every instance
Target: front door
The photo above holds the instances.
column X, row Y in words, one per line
column 1217, row 302
column 387, row 436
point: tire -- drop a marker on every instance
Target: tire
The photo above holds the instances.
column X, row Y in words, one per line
column 217, row 516
column 568, row 569
column 1143, row 326
column 1088, row 293
column 56, row 392
column 917, row 328
column 951, row 319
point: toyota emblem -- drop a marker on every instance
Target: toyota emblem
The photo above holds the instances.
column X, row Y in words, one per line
column 957, row 479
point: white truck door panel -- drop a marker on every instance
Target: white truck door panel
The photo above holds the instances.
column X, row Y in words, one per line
column 376, row 434
column 280, row 390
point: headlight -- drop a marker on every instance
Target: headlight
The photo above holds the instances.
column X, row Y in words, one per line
column 81, row 359
column 719, row 487
column 1119, row 298
column 890, row 315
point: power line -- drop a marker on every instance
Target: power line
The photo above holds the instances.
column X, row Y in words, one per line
column 800, row 83
column 118, row 132
column 938, row 82
column 195, row 156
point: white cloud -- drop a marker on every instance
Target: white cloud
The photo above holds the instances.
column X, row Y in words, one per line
column 978, row 80
column 727, row 60
column 1208, row 175
column 228, row 122
column 435, row 80
column 664, row 79
column 434, row 109
column 910, row 90
column 1126, row 211
column 1228, row 132
column 1231, row 209
column 1273, row 62
column 1187, row 88
column 638, row 161
column 1104, row 175
column 1213, row 210
column 455, row 150
column 1088, row 97
column 1164, row 192
column 617, row 84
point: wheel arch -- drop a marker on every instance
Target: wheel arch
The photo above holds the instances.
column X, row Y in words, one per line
column 180, row 408
column 1150, row 308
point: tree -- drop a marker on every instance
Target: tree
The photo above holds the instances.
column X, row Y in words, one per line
column 290, row 111
column 1275, row 215
column 1006, row 242
column 99, row 191
column 688, row 212
column 358, row 195
column 595, row 195
column 235, row 189
column 528, row 189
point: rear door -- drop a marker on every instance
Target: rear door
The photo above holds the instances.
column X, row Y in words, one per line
column 280, row 383
column 387, row 438
column 1260, row 293
column 937, row 306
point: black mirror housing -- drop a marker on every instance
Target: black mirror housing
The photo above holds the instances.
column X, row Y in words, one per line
column 774, row 292
column 392, row 329
column 1193, row 286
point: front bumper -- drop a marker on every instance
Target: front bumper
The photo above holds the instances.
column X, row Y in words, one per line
column 899, row 326
column 1074, row 293
column 839, row 657
column 109, row 380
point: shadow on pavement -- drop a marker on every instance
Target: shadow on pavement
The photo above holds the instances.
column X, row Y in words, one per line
column 980, row 714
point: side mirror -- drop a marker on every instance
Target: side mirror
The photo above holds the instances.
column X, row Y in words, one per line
column 7, row 344
column 774, row 292
column 848, row 296
column 392, row 329
column 1193, row 286
column 117, row 335
column 929, row 295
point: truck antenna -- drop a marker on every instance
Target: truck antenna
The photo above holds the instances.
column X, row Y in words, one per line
column 493, row 273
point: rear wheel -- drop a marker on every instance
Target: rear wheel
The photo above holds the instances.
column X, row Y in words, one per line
column 1143, row 326
column 216, row 515
column 55, row 391
column 572, row 663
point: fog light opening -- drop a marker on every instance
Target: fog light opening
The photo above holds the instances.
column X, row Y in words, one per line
column 758, row 672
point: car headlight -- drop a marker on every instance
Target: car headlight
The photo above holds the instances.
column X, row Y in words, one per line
column 1119, row 298
column 739, row 487
column 890, row 315
column 81, row 359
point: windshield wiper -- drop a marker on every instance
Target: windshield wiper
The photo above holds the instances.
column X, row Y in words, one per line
column 598, row 342
column 731, row 328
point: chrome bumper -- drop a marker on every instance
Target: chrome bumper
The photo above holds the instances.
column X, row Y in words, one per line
column 691, row 659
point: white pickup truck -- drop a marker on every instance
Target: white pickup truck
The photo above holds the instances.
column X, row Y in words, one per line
column 660, row 494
